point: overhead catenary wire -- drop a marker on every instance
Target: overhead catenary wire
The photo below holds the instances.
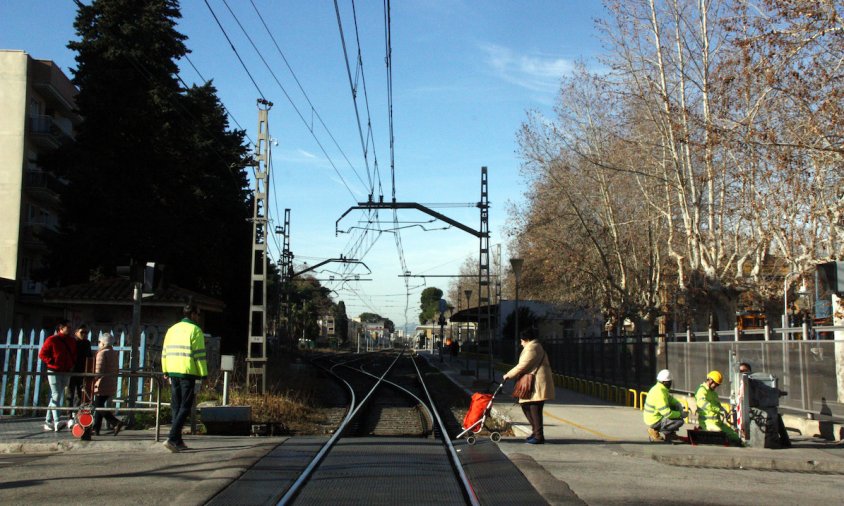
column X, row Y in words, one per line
column 364, row 138
column 305, row 94
column 289, row 98
column 388, row 45
column 361, row 243
column 389, row 63
column 226, row 35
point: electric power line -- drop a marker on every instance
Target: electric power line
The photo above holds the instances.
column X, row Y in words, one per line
column 226, row 35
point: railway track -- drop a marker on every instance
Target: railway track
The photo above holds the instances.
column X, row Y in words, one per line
column 391, row 447
column 388, row 398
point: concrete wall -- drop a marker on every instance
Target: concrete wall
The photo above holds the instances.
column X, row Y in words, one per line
column 13, row 91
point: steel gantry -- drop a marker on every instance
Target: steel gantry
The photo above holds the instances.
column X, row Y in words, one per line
column 484, row 285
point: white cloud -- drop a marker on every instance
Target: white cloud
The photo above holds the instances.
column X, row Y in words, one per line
column 534, row 72
column 305, row 153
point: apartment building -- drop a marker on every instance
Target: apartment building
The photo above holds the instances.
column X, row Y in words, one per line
column 37, row 115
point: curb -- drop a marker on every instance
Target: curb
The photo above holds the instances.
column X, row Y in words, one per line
column 74, row 445
column 755, row 463
column 553, row 490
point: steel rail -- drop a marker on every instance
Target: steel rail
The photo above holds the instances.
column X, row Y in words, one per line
column 297, row 485
column 455, row 460
column 408, row 392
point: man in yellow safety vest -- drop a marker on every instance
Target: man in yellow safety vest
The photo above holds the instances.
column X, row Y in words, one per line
column 183, row 362
column 710, row 413
column 662, row 413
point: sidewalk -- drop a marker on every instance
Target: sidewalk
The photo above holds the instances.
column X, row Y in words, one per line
column 41, row 467
column 574, row 417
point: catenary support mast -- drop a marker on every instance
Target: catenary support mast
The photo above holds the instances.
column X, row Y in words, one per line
column 256, row 360
column 484, row 288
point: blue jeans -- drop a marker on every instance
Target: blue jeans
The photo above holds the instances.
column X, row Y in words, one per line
column 181, row 402
column 57, row 382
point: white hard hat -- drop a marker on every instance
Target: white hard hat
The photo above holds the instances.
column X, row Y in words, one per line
column 664, row 375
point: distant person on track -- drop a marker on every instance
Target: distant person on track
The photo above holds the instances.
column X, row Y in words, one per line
column 183, row 362
column 662, row 413
column 710, row 414
column 533, row 359
column 105, row 386
column 59, row 354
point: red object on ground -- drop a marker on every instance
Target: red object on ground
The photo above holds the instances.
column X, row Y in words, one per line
column 78, row 430
column 480, row 402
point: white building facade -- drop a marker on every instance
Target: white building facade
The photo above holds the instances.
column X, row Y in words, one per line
column 37, row 115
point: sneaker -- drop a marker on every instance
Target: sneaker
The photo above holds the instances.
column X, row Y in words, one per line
column 533, row 441
column 60, row 425
column 172, row 447
column 118, row 428
column 182, row 446
column 49, row 426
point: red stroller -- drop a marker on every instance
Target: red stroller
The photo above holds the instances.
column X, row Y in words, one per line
column 479, row 408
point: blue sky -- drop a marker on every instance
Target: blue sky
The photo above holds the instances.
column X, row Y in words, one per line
column 464, row 73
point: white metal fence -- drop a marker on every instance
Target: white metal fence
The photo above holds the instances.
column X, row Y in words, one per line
column 22, row 383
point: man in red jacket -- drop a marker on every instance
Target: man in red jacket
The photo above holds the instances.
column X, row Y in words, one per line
column 59, row 354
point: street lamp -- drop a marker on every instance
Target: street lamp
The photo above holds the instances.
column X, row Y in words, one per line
column 785, row 302
column 468, row 294
column 516, row 265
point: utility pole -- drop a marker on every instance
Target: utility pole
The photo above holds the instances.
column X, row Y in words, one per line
column 285, row 265
column 484, row 288
column 256, row 360
column 134, row 354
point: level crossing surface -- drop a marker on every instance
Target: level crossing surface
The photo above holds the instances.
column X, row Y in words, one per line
column 382, row 471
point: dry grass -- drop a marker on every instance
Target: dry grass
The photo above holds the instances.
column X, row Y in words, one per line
column 291, row 401
column 297, row 396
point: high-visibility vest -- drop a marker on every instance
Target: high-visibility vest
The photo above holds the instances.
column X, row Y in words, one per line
column 660, row 404
column 183, row 354
column 708, row 405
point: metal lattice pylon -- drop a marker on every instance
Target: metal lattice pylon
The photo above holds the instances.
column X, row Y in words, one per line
column 484, row 288
column 256, row 360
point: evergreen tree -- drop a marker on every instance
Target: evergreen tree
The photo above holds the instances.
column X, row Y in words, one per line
column 341, row 322
column 429, row 303
column 155, row 173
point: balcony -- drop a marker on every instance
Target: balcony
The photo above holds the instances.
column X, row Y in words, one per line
column 48, row 133
column 43, row 186
column 32, row 230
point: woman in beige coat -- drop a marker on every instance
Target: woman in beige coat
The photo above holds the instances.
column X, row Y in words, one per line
column 105, row 386
column 533, row 359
